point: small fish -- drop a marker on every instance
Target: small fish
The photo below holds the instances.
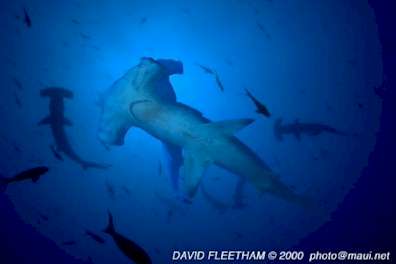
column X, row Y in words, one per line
column 360, row 105
column 56, row 153
column 219, row 83
column 228, row 62
column 238, row 235
column 69, row 243
column 260, row 107
column 16, row 147
column 264, row 30
column 43, row 217
column 18, row 101
column 95, row 47
column 143, row 20
column 75, row 21
column 17, row 83
column 206, row 69
column 95, row 237
column 110, row 190
column 32, row 174
column 185, row 10
column 129, row 248
column 26, row 19
column 126, row 190
column 85, row 36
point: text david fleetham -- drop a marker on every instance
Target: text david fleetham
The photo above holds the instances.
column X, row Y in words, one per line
column 218, row 255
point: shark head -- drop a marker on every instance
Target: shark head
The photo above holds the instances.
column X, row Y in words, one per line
column 149, row 80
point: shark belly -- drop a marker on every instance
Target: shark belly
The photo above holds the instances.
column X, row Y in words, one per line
column 175, row 125
column 237, row 158
column 168, row 123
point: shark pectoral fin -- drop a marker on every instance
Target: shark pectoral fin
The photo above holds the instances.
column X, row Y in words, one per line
column 229, row 127
column 45, row 121
column 67, row 122
column 192, row 170
column 175, row 161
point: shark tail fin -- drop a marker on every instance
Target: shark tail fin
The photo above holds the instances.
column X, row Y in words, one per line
column 3, row 184
column 110, row 226
column 277, row 129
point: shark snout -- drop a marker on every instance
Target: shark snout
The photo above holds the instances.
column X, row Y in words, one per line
column 109, row 137
column 112, row 132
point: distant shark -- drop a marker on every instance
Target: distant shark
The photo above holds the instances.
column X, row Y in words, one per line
column 57, row 121
column 297, row 129
column 144, row 98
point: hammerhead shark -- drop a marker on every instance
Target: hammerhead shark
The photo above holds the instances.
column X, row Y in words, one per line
column 297, row 129
column 144, row 98
column 57, row 121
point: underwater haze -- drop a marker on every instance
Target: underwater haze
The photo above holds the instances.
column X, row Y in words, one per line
column 313, row 64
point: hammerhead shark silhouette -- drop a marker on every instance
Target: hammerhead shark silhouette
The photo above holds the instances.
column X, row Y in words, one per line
column 57, row 121
column 297, row 129
column 144, row 98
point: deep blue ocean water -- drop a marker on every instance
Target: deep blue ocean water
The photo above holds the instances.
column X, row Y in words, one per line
column 307, row 61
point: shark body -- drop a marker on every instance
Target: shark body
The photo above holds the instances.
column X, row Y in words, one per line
column 57, row 122
column 141, row 98
column 297, row 129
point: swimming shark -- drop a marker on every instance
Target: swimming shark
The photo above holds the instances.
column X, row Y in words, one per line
column 57, row 121
column 32, row 174
column 143, row 98
column 297, row 129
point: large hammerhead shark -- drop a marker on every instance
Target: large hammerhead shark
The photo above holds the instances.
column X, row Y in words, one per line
column 57, row 121
column 144, row 98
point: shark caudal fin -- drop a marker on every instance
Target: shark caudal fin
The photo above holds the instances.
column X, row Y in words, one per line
column 277, row 129
column 3, row 184
column 110, row 226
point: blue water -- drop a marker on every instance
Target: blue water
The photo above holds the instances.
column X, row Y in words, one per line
column 314, row 61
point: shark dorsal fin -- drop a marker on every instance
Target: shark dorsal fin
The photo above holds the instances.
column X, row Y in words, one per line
column 229, row 127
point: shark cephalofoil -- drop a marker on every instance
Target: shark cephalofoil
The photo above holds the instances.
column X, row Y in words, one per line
column 144, row 98
column 57, row 121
